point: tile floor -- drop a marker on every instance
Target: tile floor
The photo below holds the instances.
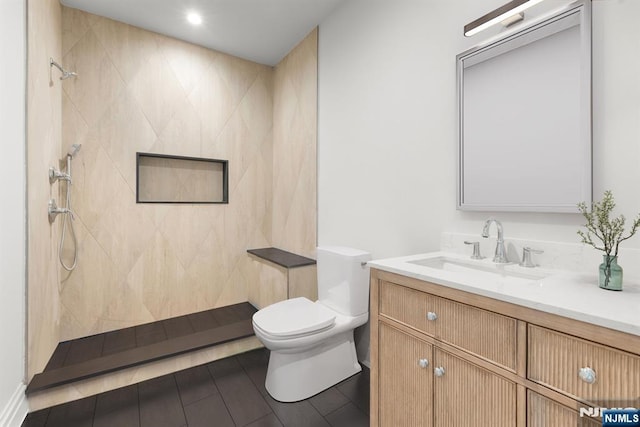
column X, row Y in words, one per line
column 228, row 392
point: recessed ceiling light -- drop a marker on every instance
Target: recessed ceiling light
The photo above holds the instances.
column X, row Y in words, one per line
column 194, row 18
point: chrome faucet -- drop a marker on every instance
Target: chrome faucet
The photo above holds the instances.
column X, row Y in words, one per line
column 501, row 254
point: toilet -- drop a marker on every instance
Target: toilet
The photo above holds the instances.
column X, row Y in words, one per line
column 311, row 343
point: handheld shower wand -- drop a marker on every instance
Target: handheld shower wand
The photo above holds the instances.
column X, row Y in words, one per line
column 55, row 174
column 70, row 155
column 68, row 218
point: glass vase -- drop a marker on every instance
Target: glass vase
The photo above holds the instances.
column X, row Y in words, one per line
column 610, row 273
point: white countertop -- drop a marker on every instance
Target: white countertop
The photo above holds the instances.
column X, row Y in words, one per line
column 573, row 295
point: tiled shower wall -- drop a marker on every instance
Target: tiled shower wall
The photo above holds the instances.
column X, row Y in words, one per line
column 43, row 149
column 140, row 91
column 294, row 148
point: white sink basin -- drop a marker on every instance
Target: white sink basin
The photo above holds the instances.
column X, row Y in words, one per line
column 511, row 273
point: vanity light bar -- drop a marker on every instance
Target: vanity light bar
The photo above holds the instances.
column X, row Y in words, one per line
column 500, row 14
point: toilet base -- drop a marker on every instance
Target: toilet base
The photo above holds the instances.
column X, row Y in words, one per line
column 297, row 376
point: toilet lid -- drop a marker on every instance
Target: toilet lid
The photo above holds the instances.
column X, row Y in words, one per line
column 296, row 316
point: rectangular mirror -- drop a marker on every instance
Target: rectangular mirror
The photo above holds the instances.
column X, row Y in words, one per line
column 524, row 108
column 177, row 179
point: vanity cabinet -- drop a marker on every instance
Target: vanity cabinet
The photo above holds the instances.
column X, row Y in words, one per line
column 405, row 378
column 544, row 412
column 420, row 385
column 445, row 357
column 467, row 394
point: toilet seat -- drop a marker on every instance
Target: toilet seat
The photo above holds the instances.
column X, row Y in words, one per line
column 294, row 318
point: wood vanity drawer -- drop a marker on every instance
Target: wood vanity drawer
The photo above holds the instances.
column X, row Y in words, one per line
column 556, row 360
column 407, row 306
column 484, row 333
column 543, row 412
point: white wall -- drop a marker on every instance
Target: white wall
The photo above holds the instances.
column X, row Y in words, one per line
column 387, row 124
column 12, row 225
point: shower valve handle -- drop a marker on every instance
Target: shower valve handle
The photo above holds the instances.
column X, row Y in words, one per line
column 55, row 175
column 54, row 211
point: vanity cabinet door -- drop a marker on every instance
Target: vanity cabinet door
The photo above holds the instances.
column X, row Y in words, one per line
column 543, row 412
column 405, row 379
column 465, row 394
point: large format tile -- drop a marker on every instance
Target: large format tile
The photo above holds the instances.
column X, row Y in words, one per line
column 195, row 384
column 58, row 356
column 160, row 404
column 118, row 408
column 244, row 401
column 348, row 416
column 119, row 340
column 297, row 414
column 158, row 106
column 255, row 364
column 356, row 389
column 128, row 47
column 99, row 79
column 84, row 349
column 78, row 414
column 177, row 326
column 268, row 421
column 36, row 419
column 189, row 62
column 75, row 25
column 328, row 401
column 150, row 333
column 157, row 278
column 208, row 411
column 122, row 131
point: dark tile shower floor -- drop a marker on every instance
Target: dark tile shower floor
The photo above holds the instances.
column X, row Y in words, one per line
column 228, row 392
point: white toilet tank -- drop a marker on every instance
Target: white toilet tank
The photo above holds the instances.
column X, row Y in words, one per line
column 343, row 280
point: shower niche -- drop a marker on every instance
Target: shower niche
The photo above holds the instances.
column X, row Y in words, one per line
column 164, row 178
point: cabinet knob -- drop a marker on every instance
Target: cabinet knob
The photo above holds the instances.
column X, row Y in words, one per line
column 431, row 316
column 423, row 363
column 439, row 371
column 587, row 375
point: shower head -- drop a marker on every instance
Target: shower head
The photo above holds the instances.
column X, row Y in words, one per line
column 74, row 150
column 68, row 74
column 65, row 74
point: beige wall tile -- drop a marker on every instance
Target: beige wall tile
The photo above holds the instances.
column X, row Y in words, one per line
column 122, row 131
column 167, row 260
column 294, row 149
column 158, row 278
column 75, row 24
column 185, row 227
column 140, row 91
column 183, row 134
column 128, row 47
column 87, row 290
column 98, row 83
column 267, row 282
column 157, row 91
column 189, row 62
column 44, row 115
column 303, row 282
column 213, row 100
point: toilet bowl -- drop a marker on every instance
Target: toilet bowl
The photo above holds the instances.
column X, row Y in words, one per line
column 311, row 343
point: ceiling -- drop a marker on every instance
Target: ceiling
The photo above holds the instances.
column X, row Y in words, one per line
column 263, row 31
